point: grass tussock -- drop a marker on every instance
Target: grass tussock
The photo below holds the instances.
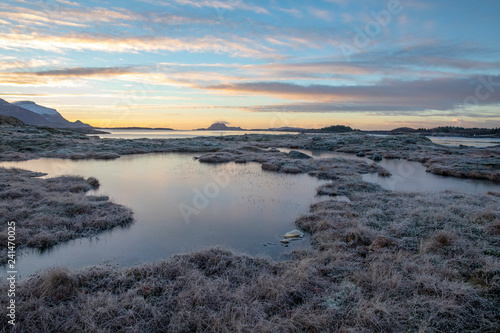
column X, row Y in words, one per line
column 49, row 211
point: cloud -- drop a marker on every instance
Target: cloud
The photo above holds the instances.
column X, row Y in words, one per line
column 87, row 71
column 160, row 75
column 292, row 11
column 37, row 19
column 320, row 13
column 216, row 4
column 222, row 122
column 84, row 16
column 387, row 95
column 231, row 45
column 7, row 64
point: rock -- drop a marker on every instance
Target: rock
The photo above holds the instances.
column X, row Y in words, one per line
column 219, row 157
column 298, row 155
column 252, row 149
column 271, row 166
column 384, row 173
column 105, row 156
column 294, row 234
column 291, row 169
column 284, row 241
column 377, row 157
column 78, row 156
column 360, row 154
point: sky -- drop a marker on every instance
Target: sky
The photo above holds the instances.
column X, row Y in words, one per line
column 186, row 64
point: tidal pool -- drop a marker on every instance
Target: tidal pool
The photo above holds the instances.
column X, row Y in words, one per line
column 180, row 205
column 457, row 141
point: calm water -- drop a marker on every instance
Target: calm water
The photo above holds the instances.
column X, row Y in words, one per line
column 457, row 141
column 411, row 176
column 180, row 205
column 159, row 134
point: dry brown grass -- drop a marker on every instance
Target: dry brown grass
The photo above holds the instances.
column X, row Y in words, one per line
column 56, row 285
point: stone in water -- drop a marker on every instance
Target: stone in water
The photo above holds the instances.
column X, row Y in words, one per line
column 294, row 234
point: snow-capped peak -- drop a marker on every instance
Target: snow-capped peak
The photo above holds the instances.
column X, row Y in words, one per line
column 33, row 107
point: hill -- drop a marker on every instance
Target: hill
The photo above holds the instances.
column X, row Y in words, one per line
column 220, row 127
column 31, row 113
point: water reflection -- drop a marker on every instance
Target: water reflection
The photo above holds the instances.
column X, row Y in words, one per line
column 457, row 141
column 236, row 206
column 412, row 176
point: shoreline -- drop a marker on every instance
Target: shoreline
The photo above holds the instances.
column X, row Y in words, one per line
column 24, row 143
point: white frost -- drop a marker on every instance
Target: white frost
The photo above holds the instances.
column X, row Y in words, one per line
column 33, row 107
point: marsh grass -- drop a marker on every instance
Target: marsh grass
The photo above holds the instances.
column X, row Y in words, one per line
column 49, row 211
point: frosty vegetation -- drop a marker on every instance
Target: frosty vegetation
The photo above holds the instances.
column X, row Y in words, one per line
column 381, row 261
column 49, row 211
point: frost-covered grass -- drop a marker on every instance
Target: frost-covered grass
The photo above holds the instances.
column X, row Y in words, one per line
column 49, row 211
column 208, row 291
column 413, row 262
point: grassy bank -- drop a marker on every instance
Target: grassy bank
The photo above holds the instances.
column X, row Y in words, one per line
column 50, row 211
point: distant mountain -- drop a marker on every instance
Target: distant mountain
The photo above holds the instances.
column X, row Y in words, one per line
column 28, row 117
column 143, row 128
column 337, row 129
column 33, row 114
column 404, row 130
column 220, row 127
